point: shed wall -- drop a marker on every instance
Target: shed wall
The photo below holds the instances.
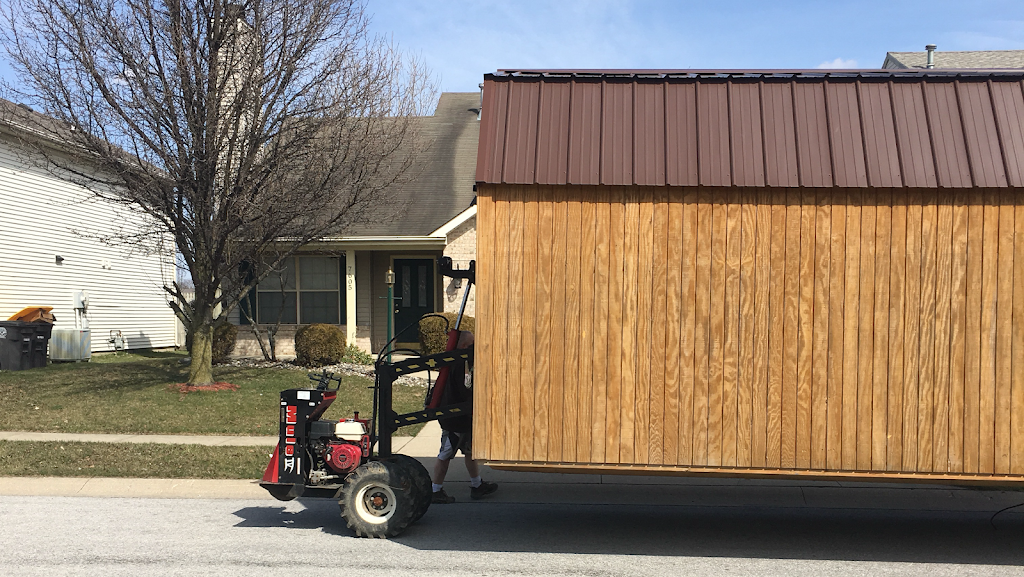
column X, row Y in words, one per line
column 757, row 330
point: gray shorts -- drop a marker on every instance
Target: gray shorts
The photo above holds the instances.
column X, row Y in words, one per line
column 452, row 442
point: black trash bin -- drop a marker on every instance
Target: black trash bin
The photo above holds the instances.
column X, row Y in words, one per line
column 23, row 345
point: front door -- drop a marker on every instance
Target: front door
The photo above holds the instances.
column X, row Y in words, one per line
column 414, row 296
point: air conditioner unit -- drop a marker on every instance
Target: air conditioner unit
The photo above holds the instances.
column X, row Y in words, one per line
column 70, row 345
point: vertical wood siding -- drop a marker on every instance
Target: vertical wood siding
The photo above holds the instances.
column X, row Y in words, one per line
column 797, row 330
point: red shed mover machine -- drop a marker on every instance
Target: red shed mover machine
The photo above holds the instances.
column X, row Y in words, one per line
column 779, row 274
column 380, row 492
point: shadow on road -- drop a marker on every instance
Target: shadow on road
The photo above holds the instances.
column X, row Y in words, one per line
column 317, row 514
column 924, row 534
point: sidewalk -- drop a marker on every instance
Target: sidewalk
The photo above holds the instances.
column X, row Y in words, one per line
column 424, row 446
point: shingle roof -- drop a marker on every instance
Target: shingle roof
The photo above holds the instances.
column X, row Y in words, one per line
column 871, row 128
column 442, row 176
column 954, row 59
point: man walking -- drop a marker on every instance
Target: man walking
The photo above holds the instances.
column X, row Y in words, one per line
column 457, row 433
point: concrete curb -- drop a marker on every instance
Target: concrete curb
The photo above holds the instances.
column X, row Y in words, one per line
column 132, row 488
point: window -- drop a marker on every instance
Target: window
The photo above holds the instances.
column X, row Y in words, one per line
column 306, row 290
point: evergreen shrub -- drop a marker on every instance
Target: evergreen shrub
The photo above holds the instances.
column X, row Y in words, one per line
column 433, row 337
column 357, row 356
column 224, row 336
column 319, row 345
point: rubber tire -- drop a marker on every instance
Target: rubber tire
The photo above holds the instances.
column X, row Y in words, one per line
column 391, row 486
column 422, row 484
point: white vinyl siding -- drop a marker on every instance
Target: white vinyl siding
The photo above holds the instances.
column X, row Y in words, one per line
column 41, row 217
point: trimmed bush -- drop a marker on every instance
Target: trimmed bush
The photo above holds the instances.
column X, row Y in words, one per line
column 224, row 336
column 319, row 344
column 433, row 337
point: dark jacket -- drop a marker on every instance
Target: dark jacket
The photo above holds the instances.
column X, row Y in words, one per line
column 455, row 391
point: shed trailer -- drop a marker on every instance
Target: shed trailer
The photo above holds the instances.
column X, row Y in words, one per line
column 781, row 274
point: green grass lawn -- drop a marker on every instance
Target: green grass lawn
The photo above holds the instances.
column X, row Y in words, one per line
column 130, row 393
column 53, row 459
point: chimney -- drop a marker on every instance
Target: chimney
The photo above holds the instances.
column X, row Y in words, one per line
column 930, row 49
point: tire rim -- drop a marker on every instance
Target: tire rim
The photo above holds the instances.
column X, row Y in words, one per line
column 376, row 503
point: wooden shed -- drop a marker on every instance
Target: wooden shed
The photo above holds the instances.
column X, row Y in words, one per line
column 777, row 273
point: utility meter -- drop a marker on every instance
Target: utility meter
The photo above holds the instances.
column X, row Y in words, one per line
column 82, row 300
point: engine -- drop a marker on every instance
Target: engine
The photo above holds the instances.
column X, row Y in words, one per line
column 343, row 457
column 337, row 448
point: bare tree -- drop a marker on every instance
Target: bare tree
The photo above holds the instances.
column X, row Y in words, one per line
column 235, row 127
column 283, row 279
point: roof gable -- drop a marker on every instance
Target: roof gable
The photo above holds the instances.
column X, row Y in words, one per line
column 439, row 184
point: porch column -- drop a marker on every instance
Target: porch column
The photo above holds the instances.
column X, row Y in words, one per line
column 350, row 297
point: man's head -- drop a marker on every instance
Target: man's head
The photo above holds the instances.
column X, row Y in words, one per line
column 465, row 340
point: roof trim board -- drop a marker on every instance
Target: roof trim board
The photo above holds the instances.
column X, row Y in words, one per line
column 381, row 243
column 454, row 223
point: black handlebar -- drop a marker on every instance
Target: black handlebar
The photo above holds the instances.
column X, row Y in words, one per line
column 323, row 381
column 447, row 269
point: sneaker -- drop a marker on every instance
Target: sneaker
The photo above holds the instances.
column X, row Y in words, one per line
column 441, row 498
column 483, row 490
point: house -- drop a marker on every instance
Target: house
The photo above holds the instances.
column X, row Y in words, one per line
column 342, row 278
column 790, row 274
column 967, row 59
column 56, row 248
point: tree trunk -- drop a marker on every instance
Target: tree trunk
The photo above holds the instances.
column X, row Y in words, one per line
column 200, row 372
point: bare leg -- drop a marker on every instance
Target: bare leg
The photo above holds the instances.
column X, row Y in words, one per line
column 471, row 467
column 440, row 471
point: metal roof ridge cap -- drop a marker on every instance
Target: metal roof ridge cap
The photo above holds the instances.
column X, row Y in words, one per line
column 810, row 74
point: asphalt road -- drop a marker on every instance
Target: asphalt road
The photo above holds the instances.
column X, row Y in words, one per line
column 105, row 536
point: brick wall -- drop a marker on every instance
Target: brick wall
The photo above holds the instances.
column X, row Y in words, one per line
column 462, row 249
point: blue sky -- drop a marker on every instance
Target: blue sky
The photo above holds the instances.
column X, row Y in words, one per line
column 460, row 40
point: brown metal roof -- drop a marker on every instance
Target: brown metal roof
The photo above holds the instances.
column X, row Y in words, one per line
column 778, row 128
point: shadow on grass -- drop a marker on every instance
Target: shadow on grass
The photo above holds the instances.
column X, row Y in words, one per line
column 135, row 355
column 93, row 377
column 129, row 377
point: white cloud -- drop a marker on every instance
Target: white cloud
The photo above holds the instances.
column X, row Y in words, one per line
column 839, row 63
